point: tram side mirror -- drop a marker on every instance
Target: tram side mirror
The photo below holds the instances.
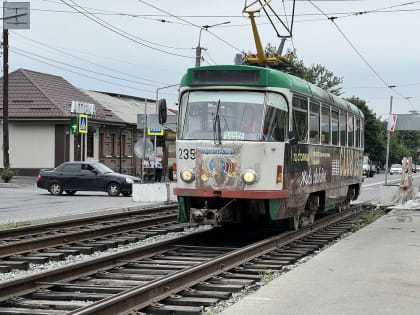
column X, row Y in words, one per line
column 162, row 111
column 293, row 137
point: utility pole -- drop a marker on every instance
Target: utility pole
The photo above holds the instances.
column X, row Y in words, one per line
column 15, row 16
column 199, row 49
column 387, row 143
column 6, row 161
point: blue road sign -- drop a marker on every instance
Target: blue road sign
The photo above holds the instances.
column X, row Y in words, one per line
column 83, row 123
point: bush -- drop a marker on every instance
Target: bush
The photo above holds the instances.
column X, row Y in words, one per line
column 7, row 174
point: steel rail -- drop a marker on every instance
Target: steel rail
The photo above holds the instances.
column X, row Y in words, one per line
column 67, row 223
column 68, row 273
column 51, row 239
column 76, row 236
column 143, row 296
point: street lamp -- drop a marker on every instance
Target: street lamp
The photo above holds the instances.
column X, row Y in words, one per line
column 198, row 49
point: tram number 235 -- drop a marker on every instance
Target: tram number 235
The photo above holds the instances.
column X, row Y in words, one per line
column 186, row 154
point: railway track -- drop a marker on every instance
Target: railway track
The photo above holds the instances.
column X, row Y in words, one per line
column 188, row 273
column 40, row 244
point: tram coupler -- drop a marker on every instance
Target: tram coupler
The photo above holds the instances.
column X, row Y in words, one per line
column 204, row 216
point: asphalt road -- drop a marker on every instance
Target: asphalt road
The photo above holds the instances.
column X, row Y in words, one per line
column 22, row 202
column 376, row 190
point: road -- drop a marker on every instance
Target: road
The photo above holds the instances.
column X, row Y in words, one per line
column 24, row 202
column 374, row 189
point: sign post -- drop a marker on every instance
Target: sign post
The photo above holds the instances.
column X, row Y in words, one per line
column 387, row 142
column 15, row 16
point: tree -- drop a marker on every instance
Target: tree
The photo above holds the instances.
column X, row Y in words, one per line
column 375, row 132
column 316, row 74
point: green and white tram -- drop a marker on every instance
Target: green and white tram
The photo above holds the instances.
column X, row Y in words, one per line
column 257, row 143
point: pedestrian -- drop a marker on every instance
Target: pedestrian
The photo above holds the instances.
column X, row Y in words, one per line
column 158, row 168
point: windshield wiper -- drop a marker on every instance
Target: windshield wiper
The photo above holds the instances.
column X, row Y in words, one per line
column 217, row 131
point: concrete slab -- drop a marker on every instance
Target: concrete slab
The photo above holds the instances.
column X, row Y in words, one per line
column 373, row 271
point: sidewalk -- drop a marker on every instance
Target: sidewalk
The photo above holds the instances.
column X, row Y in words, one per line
column 19, row 182
column 373, row 271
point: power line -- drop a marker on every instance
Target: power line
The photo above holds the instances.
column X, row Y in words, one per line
column 19, row 50
column 332, row 19
column 188, row 22
column 118, row 31
column 88, row 61
column 78, row 73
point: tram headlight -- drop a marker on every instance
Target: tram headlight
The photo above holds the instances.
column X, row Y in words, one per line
column 187, row 175
column 279, row 177
column 249, row 176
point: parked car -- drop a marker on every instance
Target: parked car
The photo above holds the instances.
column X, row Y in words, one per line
column 85, row 176
column 395, row 168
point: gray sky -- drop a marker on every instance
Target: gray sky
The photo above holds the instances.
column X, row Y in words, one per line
column 135, row 47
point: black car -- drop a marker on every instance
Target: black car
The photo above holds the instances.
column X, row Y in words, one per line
column 88, row 176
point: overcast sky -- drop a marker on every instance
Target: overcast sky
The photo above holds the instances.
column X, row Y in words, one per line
column 135, row 47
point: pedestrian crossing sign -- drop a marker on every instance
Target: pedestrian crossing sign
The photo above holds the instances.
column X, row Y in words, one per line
column 83, row 123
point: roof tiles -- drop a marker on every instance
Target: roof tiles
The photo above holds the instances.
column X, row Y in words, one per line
column 36, row 95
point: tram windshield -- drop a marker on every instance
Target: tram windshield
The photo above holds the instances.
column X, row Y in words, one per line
column 222, row 115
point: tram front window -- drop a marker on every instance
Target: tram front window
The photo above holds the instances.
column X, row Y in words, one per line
column 239, row 113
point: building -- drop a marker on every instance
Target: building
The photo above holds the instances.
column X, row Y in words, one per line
column 43, row 122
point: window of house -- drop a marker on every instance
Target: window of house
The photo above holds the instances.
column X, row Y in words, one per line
column 123, row 145
column 113, row 145
column 89, row 145
column 102, row 144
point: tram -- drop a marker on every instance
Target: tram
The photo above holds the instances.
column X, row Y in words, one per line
column 257, row 143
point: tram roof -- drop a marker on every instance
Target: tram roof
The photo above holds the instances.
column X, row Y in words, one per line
column 243, row 75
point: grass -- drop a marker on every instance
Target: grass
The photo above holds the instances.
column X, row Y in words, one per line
column 9, row 225
column 368, row 218
column 268, row 276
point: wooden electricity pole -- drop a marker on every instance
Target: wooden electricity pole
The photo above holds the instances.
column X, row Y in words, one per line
column 6, row 162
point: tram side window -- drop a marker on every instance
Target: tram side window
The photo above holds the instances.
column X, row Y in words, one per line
column 334, row 127
column 276, row 117
column 362, row 133
column 325, row 125
column 275, row 124
column 300, row 118
column 357, row 133
column 314, row 123
column 350, row 130
column 343, row 128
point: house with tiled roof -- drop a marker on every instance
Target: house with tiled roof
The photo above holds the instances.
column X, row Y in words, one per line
column 128, row 108
column 41, row 127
